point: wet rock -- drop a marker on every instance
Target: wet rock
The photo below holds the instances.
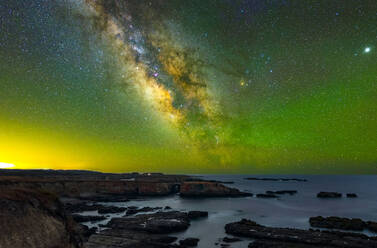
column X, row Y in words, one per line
column 88, row 218
column 110, row 210
column 372, row 226
column 231, row 240
column 267, row 196
column 343, row 223
column 329, row 195
column 160, row 222
column 112, row 238
column 191, row 242
column 209, row 189
column 167, row 208
column 337, row 223
column 351, row 195
column 281, row 244
column 105, row 198
column 273, row 237
column 133, row 211
column 197, row 214
column 282, row 192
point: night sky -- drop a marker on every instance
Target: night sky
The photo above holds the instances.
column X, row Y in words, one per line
column 189, row 86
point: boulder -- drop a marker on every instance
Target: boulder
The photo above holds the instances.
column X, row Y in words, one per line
column 191, row 242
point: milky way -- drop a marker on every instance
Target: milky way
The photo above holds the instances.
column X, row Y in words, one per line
column 168, row 75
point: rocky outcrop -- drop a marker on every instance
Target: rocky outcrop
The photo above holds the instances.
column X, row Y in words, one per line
column 329, row 195
column 209, row 189
column 160, row 222
column 290, row 237
column 35, row 219
column 119, row 238
column 351, row 195
column 143, row 231
column 342, row 223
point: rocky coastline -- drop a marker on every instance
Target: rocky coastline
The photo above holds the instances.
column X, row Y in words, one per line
column 61, row 204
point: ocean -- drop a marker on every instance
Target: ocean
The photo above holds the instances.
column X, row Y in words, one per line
column 286, row 211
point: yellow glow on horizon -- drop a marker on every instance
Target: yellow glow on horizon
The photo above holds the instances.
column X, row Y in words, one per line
column 6, row 165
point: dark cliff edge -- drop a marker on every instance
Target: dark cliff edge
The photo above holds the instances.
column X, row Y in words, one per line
column 32, row 218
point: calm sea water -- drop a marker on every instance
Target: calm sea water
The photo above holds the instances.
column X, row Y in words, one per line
column 287, row 211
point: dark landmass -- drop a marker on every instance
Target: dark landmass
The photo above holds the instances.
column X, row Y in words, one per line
column 39, row 208
column 329, row 195
column 333, row 222
column 275, row 179
column 291, row 237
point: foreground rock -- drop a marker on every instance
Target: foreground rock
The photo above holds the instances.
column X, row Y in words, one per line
column 209, row 189
column 143, row 231
column 290, row 237
column 118, row 238
column 160, row 222
column 342, row 223
column 81, row 207
column 189, row 242
column 36, row 219
column 88, row 218
column 329, row 195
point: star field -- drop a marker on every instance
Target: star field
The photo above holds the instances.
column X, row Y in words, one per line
column 227, row 86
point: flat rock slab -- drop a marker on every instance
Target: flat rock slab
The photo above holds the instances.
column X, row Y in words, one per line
column 160, row 222
column 271, row 236
column 334, row 222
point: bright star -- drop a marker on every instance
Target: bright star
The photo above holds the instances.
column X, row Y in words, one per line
column 367, row 50
column 6, row 165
